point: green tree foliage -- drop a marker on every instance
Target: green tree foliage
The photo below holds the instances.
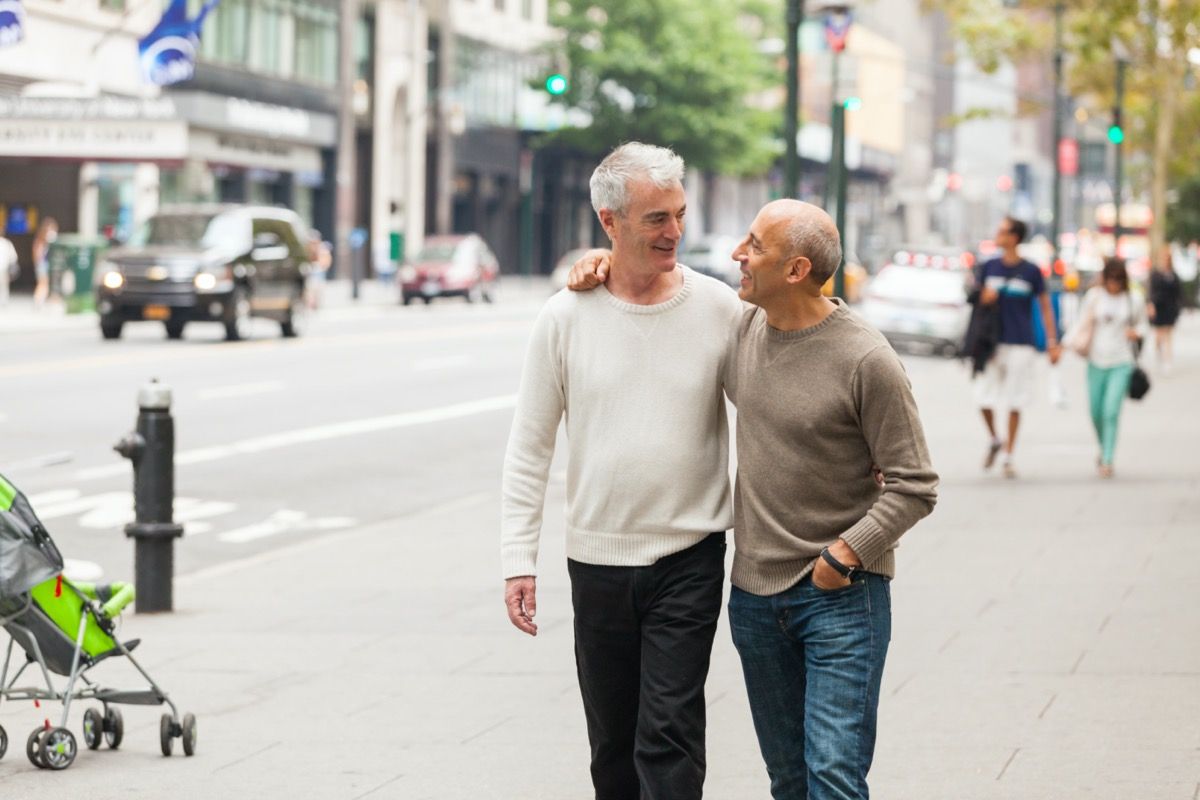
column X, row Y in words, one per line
column 1183, row 214
column 680, row 73
column 1161, row 106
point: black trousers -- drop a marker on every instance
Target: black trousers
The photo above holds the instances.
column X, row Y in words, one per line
column 643, row 637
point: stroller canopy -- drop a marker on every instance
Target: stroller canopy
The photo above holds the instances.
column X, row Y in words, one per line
column 27, row 554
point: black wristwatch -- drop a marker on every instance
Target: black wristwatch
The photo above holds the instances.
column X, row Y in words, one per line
column 842, row 569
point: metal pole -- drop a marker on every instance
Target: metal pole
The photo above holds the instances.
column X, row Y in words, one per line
column 791, row 120
column 1056, row 222
column 838, row 156
column 345, row 212
column 832, row 174
column 1119, row 168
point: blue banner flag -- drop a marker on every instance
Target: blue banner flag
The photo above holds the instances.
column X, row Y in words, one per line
column 168, row 53
column 12, row 22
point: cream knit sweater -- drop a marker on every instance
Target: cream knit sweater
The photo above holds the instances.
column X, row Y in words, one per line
column 647, row 435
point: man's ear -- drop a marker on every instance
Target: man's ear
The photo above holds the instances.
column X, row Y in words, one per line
column 608, row 221
column 798, row 269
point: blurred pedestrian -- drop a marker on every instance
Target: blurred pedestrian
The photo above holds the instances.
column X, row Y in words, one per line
column 1166, row 301
column 1112, row 324
column 1012, row 285
column 637, row 373
column 320, row 257
column 821, row 398
column 9, row 267
column 47, row 232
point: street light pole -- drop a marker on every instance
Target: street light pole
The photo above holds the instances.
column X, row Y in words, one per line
column 1119, row 167
column 1055, row 221
column 837, row 26
column 791, row 122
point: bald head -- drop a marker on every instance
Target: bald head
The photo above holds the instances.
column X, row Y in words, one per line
column 806, row 230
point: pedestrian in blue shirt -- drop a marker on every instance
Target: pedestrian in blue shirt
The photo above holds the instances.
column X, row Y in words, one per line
column 1012, row 285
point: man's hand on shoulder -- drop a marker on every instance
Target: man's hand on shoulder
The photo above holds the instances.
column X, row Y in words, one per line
column 520, row 598
column 590, row 270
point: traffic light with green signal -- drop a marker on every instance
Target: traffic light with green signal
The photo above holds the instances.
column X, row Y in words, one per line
column 1116, row 134
column 852, row 103
column 557, row 84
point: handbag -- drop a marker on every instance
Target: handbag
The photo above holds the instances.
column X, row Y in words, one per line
column 1139, row 381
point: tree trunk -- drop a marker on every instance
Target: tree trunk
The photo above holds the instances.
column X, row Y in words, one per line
column 1170, row 87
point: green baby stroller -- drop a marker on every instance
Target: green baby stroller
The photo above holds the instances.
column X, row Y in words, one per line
column 66, row 628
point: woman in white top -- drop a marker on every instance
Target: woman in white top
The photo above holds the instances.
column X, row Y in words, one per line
column 1111, row 324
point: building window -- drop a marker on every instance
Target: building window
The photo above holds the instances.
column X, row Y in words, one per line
column 527, row 9
column 224, row 38
column 316, row 45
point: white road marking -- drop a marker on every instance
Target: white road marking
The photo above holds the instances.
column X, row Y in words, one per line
column 283, row 521
column 319, row 433
column 241, row 390
column 77, row 570
column 443, row 362
column 112, row 510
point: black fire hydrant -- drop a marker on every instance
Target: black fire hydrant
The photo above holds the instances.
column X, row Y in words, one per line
column 151, row 448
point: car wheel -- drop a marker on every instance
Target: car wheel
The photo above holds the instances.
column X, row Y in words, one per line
column 297, row 320
column 174, row 328
column 111, row 328
column 237, row 316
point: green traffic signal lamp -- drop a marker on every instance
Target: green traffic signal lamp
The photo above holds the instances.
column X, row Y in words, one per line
column 557, row 84
column 1115, row 134
column 852, row 103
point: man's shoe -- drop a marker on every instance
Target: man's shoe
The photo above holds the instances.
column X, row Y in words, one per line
column 992, row 452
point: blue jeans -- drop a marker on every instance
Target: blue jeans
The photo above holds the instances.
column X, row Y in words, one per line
column 813, row 662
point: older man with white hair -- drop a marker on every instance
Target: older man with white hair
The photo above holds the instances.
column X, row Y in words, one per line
column 638, row 373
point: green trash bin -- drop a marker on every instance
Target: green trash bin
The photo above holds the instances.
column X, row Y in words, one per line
column 73, row 259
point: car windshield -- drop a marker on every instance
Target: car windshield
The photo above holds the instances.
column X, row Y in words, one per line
column 193, row 230
column 438, row 251
column 913, row 283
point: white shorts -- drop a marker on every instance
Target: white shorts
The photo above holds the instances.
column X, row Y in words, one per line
column 1007, row 381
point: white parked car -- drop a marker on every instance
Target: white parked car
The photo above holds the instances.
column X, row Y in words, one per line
column 924, row 305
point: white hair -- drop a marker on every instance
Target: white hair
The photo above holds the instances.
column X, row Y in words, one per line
column 629, row 162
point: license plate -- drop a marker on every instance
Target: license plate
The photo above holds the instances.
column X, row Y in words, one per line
column 156, row 312
column 431, row 288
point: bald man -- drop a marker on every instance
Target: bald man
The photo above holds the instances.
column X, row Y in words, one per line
column 821, row 396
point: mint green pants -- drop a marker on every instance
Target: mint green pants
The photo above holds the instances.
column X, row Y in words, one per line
column 1107, row 387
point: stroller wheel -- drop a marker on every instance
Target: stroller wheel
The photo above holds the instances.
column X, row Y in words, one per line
column 93, row 728
column 3, row 741
column 114, row 728
column 58, row 748
column 166, row 734
column 189, row 734
column 33, row 747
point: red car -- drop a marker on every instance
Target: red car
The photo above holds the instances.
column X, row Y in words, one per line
column 450, row 266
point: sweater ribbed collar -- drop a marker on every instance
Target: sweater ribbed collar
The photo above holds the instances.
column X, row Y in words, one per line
column 841, row 312
column 656, row 308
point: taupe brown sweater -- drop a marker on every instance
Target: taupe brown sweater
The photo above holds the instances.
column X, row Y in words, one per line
column 816, row 407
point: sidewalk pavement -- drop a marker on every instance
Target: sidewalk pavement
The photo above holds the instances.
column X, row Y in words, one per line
column 1046, row 643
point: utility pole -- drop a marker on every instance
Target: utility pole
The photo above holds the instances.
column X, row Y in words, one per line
column 791, row 120
column 1056, row 215
column 837, row 27
column 344, row 211
column 1118, row 140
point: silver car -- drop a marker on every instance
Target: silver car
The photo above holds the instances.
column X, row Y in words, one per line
column 924, row 305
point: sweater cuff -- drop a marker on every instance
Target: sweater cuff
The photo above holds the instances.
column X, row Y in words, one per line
column 518, row 561
column 867, row 540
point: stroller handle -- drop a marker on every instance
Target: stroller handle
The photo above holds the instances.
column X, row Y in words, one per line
column 122, row 596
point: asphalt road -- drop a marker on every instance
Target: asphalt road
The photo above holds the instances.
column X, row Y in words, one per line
column 376, row 413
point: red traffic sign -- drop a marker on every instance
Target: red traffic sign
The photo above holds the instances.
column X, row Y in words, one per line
column 837, row 28
column 1068, row 157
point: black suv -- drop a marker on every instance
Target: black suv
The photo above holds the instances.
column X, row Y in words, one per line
column 221, row 264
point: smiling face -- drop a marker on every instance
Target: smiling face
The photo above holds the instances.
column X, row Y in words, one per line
column 769, row 270
column 649, row 230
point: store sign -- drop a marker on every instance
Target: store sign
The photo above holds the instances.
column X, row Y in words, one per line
column 86, row 108
column 271, row 120
column 168, row 53
column 12, row 22
column 93, row 139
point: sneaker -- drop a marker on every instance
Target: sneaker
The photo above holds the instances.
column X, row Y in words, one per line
column 992, row 452
column 1010, row 471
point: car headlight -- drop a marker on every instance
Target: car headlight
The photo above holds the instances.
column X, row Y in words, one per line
column 205, row 281
column 113, row 279
column 408, row 273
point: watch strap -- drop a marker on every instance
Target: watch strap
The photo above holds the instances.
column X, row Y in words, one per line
column 841, row 568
